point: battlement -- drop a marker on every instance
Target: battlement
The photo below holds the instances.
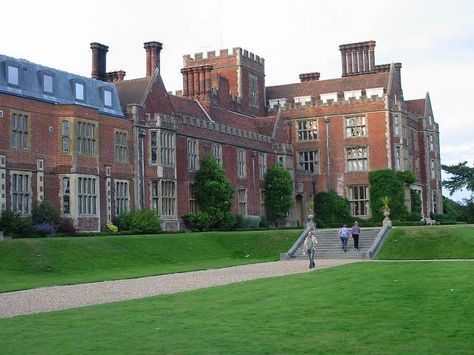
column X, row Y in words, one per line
column 200, row 58
column 319, row 103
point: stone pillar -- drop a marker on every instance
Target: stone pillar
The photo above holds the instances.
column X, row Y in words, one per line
column 202, row 89
column 366, row 60
column 371, row 59
column 360, row 61
column 185, row 82
column 196, row 82
column 349, row 62
column 40, row 180
column 3, row 182
column 344, row 62
column 108, row 193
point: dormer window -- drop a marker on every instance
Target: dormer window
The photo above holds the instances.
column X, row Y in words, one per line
column 13, row 75
column 79, row 92
column 303, row 100
column 352, row 94
column 374, row 92
column 329, row 96
column 48, row 84
column 275, row 103
column 107, row 98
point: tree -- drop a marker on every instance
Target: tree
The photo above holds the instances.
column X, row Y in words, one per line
column 278, row 193
column 461, row 176
column 214, row 193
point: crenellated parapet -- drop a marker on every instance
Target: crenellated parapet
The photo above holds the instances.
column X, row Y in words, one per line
column 339, row 102
column 211, row 56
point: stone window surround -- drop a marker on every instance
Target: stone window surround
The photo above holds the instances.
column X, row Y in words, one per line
column 241, row 162
column 347, row 162
column 167, row 152
column 122, row 202
column 242, row 200
column 29, row 193
column 169, row 198
column 121, row 147
column 28, row 125
column 365, row 200
column 315, row 162
column 306, row 129
column 365, row 125
column 95, row 193
column 193, row 154
column 95, row 135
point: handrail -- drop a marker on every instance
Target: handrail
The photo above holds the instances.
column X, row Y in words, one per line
column 377, row 244
column 297, row 243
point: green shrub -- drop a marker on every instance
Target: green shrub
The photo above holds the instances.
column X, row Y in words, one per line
column 66, row 227
column 111, row 228
column 45, row 212
column 14, row 225
column 331, row 210
column 198, row 221
column 138, row 221
column 263, row 222
column 239, row 221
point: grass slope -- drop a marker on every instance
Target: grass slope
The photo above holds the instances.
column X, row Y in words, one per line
column 368, row 308
column 28, row 263
column 429, row 242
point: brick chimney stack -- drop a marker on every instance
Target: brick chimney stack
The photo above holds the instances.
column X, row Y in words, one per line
column 358, row 58
column 309, row 77
column 153, row 50
column 99, row 61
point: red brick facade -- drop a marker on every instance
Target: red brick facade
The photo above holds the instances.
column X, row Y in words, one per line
column 329, row 133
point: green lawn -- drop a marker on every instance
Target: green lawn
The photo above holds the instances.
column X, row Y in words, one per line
column 364, row 308
column 429, row 242
column 29, row 263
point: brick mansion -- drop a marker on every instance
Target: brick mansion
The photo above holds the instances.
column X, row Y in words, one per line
column 96, row 147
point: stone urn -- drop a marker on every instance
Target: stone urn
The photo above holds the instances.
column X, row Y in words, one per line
column 387, row 220
column 309, row 219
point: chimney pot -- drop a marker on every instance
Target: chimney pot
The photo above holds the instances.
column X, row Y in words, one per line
column 309, row 77
column 153, row 50
column 99, row 61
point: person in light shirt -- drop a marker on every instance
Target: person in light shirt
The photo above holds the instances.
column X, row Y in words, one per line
column 309, row 248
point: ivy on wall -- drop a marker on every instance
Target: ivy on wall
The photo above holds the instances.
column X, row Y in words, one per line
column 391, row 184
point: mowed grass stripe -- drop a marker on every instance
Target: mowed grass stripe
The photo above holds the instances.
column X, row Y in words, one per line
column 29, row 263
column 429, row 242
column 359, row 308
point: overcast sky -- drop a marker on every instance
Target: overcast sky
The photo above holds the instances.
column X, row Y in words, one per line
column 434, row 40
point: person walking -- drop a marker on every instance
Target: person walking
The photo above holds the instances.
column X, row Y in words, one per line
column 344, row 235
column 309, row 248
column 355, row 235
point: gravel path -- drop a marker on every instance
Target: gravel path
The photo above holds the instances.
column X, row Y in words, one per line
column 64, row 297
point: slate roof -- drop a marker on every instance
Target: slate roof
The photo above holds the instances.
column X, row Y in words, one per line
column 137, row 91
column 318, row 87
column 30, row 85
column 417, row 107
column 133, row 91
column 187, row 107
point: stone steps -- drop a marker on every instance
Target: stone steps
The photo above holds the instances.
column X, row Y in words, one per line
column 330, row 247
